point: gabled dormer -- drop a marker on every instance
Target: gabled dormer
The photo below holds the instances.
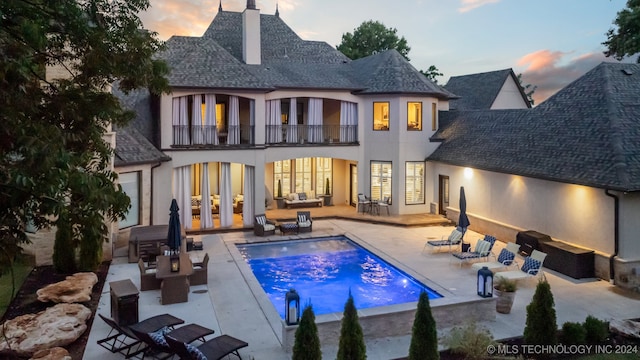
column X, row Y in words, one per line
column 494, row 90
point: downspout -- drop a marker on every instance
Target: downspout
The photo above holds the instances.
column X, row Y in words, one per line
column 616, row 235
column 151, row 194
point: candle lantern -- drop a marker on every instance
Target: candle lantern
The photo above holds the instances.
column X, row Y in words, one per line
column 175, row 262
column 292, row 307
column 485, row 282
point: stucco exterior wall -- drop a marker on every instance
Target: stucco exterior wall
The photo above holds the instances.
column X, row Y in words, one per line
column 509, row 96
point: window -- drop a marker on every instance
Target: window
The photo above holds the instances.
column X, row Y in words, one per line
column 130, row 183
column 303, row 175
column 282, row 172
column 414, row 186
column 323, row 172
column 381, row 116
column 414, row 116
column 221, row 117
column 434, row 116
column 380, row 180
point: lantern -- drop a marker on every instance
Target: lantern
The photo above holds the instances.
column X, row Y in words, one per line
column 175, row 262
column 485, row 282
column 292, row 307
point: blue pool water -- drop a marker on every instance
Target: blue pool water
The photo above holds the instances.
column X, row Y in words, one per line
column 324, row 270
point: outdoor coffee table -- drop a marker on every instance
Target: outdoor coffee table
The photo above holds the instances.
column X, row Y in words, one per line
column 288, row 228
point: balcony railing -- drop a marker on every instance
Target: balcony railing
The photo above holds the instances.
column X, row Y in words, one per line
column 210, row 136
column 312, row 134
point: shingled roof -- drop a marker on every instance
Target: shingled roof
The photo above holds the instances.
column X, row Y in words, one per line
column 586, row 134
column 479, row 91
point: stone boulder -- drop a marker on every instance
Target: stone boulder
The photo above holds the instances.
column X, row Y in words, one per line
column 56, row 353
column 58, row 325
column 628, row 328
column 75, row 288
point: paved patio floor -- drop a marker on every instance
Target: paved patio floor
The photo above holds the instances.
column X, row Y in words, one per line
column 228, row 305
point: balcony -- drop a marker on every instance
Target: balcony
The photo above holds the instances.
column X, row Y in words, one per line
column 311, row 134
column 210, row 137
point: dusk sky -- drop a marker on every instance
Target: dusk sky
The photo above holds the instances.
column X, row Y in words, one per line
column 551, row 42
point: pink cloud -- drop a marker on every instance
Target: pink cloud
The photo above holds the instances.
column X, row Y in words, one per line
column 468, row 5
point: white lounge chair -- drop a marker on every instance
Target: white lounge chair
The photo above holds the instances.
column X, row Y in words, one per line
column 454, row 239
column 532, row 267
column 506, row 258
column 482, row 250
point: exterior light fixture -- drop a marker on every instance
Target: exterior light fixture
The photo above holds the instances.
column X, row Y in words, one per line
column 292, row 307
column 468, row 173
column 485, row 282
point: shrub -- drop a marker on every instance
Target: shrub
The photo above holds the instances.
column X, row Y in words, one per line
column 573, row 333
column 351, row 346
column 326, row 188
column 63, row 258
column 505, row 285
column 424, row 336
column 279, row 188
column 307, row 343
column 597, row 331
column 469, row 340
column 541, row 327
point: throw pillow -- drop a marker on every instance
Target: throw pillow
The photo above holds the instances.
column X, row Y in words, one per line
column 531, row 265
column 302, row 196
column 195, row 352
column 302, row 218
column 158, row 337
column 482, row 247
column 261, row 220
column 506, row 257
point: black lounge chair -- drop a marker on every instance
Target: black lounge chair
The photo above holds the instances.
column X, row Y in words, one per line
column 121, row 339
column 156, row 345
column 213, row 349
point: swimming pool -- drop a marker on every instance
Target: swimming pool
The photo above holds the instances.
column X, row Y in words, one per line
column 324, row 270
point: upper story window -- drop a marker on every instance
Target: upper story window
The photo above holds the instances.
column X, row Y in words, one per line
column 381, row 116
column 414, row 116
column 434, row 116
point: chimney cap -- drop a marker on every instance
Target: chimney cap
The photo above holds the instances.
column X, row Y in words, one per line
column 251, row 4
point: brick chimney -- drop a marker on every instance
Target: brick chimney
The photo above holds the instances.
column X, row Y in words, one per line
column 251, row 53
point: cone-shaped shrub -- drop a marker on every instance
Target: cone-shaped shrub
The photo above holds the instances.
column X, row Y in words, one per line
column 351, row 345
column 541, row 327
column 63, row 257
column 424, row 336
column 307, row 344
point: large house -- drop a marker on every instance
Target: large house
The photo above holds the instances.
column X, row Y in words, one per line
column 255, row 108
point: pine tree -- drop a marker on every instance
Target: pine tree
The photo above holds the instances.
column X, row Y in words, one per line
column 307, row 344
column 351, row 345
column 424, row 336
column 541, row 327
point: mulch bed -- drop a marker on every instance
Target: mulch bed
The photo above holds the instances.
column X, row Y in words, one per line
column 26, row 302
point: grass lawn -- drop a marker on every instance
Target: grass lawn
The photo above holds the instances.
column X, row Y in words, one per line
column 21, row 267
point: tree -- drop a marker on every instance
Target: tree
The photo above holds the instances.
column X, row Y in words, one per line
column 431, row 73
column 307, row 343
column 424, row 336
column 625, row 39
column 372, row 37
column 54, row 158
column 351, row 346
column 541, row 327
column 528, row 89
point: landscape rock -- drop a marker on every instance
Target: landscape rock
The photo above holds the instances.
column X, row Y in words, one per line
column 56, row 353
column 58, row 325
column 628, row 328
column 75, row 288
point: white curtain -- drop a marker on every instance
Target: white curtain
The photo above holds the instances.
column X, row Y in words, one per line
column 196, row 121
column 273, row 121
column 182, row 194
column 315, row 120
column 234, row 121
column 210, row 122
column 292, row 128
column 348, row 120
column 206, row 220
column 226, row 197
column 248, row 209
column 184, row 121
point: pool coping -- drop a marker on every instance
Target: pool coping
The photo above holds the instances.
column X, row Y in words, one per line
column 376, row 322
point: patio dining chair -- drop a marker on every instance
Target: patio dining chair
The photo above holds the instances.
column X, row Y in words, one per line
column 364, row 204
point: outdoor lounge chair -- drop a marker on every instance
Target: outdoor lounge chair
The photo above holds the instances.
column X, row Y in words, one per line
column 304, row 221
column 482, row 250
column 156, row 345
column 199, row 275
column 213, row 349
column 454, row 239
column 506, row 258
column 121, row 339
column 148, row 280
column 263, row 226
column 531, row 267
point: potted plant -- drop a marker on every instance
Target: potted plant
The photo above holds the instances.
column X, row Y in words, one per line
column 505, row 290
column 327, row 193
column 279, row 198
